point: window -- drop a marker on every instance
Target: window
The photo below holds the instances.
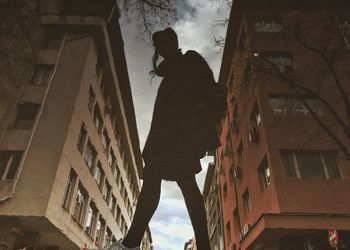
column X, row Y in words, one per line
column 289, row 105
column 100, row 228
column 225, row 191
column 82, row 138
column 69, row 189
column 92, row 98
column 98, row 119
column 246, row 202
column 105, row 140
column 9, row 163
column 118, row 215
column 112, row 204
column 106, row 191
column 228, row 231
column 236, row 221
column 311, row 164
column 117, row 175
column 234, row 123
column 80, row 203
column 247, row 73
column 26, row 113
column 99, row 67
column 232, row 173
column 108, row 237
column 90, row 155
column 283, row 61
column 242, row 38
column 266, row 26
column 91, row 219
column 41, row 75
column 255, row 117
column 111, row 158
column 264, row 174
column 240, row 151
column 99, row 174
column 53, row 40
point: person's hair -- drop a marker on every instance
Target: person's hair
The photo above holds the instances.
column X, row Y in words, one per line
column 168, row 32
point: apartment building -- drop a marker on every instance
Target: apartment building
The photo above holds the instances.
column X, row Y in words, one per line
column 70, row 162
column 212, row 202
column 284, row 162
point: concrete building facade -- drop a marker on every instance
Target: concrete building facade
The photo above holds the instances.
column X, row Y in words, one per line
column 212, row 202
column 70, row 162
column 285, row 178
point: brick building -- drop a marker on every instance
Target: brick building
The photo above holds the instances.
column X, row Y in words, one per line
column 284, row 160
column 70, row 161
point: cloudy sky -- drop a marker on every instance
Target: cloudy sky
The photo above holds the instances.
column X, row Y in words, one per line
column 170, row 226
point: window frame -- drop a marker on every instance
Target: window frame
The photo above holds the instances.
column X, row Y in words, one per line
column 296, row 168
column 69, row 189
column 10, row 158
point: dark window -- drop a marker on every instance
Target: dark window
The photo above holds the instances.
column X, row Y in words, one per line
column 225, row 191
column 80, row 203
column 246, row 202
column 41, row 75
column 311, row 164
column 69, row 189
column 266, row 25
column 112, row 203
column 99, row 174
column 247, row 73
column 106, row 191
column 264, row 174
column 98, row 119
column 108, row 237
column 255, row 116
column 9, row 163
column 240, row 151
column 26, row 114
column 228, row 231
column 92, row 98
column 100, row 230
column 282, row 61
column 105, row 140
column 90, row 155
column 236, row 221
column 91, row 219
column 289, row 105
column 82, row 138
column 111, row 158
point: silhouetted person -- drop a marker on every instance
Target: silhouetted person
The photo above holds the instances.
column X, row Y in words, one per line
column 181, row 133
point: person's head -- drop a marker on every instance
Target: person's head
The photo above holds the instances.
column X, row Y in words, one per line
column 165, row 44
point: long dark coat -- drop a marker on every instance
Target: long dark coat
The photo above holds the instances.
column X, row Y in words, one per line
column 181, row 132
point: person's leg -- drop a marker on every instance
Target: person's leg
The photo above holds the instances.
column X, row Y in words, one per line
column 195, row 206
column 146, row 206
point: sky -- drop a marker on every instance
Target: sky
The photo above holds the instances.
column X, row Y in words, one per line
column 170, row 225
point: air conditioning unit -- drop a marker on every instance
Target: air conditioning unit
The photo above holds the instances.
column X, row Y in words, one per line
column 233, row 246
column 253, row 134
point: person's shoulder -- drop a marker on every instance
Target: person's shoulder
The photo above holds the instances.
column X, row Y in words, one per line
column 192, row 53
column 194, row 56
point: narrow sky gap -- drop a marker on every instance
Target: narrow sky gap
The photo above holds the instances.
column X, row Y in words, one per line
column 170, row 226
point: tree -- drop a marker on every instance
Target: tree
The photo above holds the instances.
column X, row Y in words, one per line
column 150, row 13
